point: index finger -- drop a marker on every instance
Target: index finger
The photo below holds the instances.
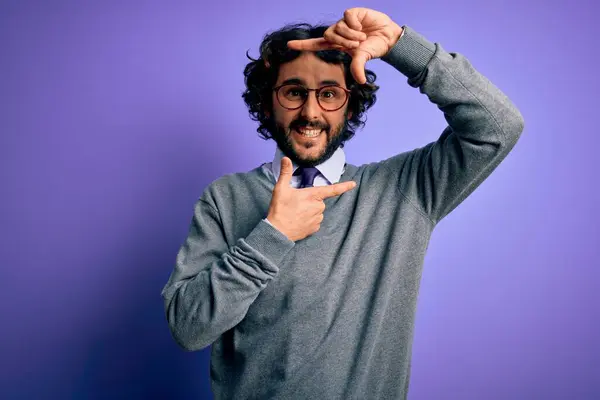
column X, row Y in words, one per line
column 315, row 44
column 323, row 192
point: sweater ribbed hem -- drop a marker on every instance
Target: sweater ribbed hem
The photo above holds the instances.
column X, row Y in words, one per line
column 411, row 54
column 271, row 243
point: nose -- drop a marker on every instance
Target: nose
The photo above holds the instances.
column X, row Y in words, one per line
column 311, row 108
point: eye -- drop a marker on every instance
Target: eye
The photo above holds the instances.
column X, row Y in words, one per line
column 294, row 92
column 332, row 94
column 328, row 94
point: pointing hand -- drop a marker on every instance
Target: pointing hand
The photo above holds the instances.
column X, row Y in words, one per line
column 298, row 213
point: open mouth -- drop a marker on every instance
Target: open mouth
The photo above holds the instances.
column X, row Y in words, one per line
column 308, row 132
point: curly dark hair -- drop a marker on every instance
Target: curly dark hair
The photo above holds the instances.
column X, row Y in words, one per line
column 261, row 74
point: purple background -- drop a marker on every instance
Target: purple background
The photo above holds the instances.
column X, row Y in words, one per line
column 115, row 116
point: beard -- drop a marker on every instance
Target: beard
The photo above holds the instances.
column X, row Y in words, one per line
column 282, row 136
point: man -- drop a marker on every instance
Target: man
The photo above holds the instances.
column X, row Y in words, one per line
column 304, row 273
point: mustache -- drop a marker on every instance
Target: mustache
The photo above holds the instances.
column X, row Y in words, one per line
column 300, row 123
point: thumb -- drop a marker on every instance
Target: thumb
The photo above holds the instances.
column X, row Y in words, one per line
column 285, row 175
column 357, row 66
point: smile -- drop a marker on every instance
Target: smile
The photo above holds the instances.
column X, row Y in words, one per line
column 309, row 132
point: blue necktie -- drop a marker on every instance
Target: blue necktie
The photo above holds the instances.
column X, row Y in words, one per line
column 308, row 176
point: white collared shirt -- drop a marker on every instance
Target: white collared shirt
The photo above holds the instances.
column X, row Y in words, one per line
column 330, row 171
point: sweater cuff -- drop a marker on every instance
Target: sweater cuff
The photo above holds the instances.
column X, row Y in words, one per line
column 411, row 53
column 269, row 242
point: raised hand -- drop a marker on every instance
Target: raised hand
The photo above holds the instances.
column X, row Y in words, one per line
column 298, row 213
column 363, row 33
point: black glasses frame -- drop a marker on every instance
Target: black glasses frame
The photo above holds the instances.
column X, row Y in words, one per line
column 317, row 93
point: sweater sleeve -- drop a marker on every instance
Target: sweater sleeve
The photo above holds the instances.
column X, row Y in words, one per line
column 483, row 127
column 213, row 284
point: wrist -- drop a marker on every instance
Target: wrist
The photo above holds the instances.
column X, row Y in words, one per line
column 397, row 32
column 275, row 224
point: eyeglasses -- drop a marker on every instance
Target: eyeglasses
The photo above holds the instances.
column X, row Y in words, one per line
column 293, row 96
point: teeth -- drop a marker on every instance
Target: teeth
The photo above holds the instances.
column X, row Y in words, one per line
column 309, row 132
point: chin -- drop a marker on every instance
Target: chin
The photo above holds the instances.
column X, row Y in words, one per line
column 311, row 155
column 295, row 148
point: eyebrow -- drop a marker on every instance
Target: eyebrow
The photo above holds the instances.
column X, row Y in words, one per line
column 300, row 81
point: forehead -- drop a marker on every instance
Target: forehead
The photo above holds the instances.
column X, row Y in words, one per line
column 311, row 70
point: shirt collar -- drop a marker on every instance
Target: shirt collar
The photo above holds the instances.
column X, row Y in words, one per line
column 332, row 169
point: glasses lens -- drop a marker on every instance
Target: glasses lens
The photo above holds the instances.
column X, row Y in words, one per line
column 293, row 96
column 332, row 97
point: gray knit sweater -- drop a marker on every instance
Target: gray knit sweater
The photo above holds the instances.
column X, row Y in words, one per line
column 331, row 316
